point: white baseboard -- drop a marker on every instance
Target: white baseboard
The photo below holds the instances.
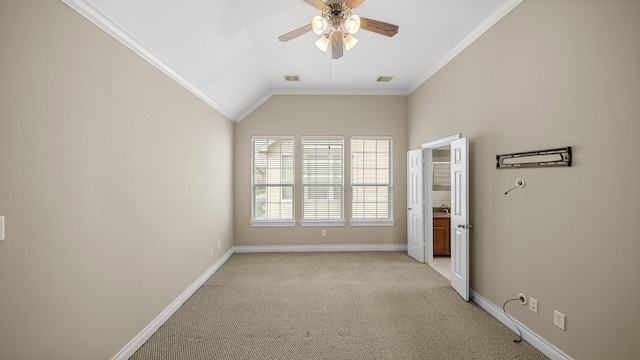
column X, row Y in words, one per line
column 529, row 336
column 143, row 336
column 319, row 248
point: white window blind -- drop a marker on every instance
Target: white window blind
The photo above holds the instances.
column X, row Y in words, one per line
column 272, row 179
column 322, row 179
column 371, row 179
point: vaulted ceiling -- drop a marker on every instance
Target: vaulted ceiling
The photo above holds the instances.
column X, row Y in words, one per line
column 227, row 51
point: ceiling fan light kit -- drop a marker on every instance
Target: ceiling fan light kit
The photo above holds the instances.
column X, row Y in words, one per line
column 336, row 25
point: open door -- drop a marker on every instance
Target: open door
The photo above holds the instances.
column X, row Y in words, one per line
column 415, row 209
column 460, row 217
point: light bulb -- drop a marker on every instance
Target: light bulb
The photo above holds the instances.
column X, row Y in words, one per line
column 318, row 24
column 353, row 24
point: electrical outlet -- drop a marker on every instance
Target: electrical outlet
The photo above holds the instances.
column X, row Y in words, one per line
column 522, row 298
column 218, row 245
column 558, row 319
column 533, row 305
column 323, row 233
column 210, row 251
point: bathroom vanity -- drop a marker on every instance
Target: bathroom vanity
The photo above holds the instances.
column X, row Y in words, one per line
column 441, row 238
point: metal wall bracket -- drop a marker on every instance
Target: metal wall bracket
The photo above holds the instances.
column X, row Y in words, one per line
column 541, row 158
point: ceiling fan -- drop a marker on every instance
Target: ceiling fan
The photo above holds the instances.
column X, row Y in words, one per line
column 337, row 23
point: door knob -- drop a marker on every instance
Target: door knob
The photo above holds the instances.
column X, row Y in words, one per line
column 408, row 208
column 461, row 226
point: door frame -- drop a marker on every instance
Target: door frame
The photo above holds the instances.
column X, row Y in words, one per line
column 427, row 156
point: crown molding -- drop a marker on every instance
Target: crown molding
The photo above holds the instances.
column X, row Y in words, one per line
column 323, row 92
column 501, row 12
column 84, row 8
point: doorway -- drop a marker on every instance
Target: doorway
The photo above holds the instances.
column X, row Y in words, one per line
column 432, row 153
column 441, row 209
column 425, row 209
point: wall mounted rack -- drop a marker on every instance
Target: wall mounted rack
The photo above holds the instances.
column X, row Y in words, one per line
column 540, row 158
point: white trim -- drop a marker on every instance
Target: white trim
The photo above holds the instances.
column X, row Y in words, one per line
column 372, row 137
column 529, row 336
column 498, row 14
column 321, row 223
column 257, row 223
column 381, row 222
column 440, row 142
column 341, row 92
column 84, row 8
column 319, row 248
column 268, row 95
column 252, row 107
column 323, row 137
column 273, row 137
column 145, row 334
column 427, row 157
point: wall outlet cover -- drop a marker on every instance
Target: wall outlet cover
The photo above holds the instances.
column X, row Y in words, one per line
column 558, row 319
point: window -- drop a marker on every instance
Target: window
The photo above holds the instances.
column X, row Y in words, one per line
column 322, row 181
column 286, row 172
column 371, row 181
column 272, row 181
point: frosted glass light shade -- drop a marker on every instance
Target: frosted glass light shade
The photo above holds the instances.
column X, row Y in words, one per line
column 350, row 42
column 319, row 24
column 323, row 43
column 352, row 24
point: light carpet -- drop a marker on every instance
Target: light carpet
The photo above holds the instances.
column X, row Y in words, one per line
column 350, row 305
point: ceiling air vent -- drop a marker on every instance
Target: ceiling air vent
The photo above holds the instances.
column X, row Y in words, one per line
column 292, row 78
column 384, row 78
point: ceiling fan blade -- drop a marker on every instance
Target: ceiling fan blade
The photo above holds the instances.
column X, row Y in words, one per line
column 337, row 44
column 295, row 33
column 379, row 27
column 352, row 4
column 318, row 4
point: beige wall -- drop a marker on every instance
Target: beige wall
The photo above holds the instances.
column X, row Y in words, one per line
column 552, row 74
column 321, row 115
column 114, row 181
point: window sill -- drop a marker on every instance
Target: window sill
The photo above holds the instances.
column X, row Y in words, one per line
column 322, row 223
column 385, row 222
column 258, row 223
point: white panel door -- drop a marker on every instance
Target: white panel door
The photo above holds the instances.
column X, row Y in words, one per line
column 415, row 209
column 460, row 217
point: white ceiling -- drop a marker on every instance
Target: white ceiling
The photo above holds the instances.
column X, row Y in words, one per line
column 227, row 51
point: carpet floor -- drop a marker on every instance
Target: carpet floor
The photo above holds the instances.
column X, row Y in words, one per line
column 350, row 305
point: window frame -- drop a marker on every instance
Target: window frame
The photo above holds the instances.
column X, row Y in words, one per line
column 322, row 222
column 282, row 185
column 389, row 221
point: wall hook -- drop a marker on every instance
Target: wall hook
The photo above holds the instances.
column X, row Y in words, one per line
column 520, row 183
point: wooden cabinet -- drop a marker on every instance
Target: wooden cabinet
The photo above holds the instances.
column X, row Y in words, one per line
column 441, row 238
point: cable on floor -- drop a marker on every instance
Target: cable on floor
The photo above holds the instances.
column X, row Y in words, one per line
column 514, row 323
